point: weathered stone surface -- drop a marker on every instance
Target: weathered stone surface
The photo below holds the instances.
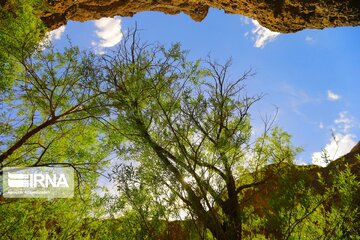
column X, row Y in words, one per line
column 277, row 15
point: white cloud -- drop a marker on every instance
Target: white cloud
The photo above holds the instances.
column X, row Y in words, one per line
column 108, row 31
column 56, row 34
column 340, row 143
column 262, row 35
column 332, row 96
column 50, row 36
column 338, row 146
column 244, row 20
column 345, row 122
column 321, row 125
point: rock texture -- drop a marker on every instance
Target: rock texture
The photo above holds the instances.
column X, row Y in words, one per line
column 277, row 15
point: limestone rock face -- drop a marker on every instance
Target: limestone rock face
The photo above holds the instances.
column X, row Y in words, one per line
column 277, row 15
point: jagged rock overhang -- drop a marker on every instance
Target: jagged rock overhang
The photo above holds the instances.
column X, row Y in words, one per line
column 277, row 15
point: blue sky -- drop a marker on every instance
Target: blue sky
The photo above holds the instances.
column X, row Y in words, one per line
column 312, row 76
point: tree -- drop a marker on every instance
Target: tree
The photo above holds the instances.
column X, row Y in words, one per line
column 302, row 206
column 185, row 130
column 46, row 119
column 188, row 127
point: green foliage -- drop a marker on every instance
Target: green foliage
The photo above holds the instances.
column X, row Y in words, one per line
column 326, row 210
column 343, row 217
column 190, row 165
column 50, row 119
column 43, row 219
column 20, row 32
column 188, row 129
column 54, row 100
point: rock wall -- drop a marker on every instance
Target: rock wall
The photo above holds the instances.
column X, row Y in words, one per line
column 277, row 15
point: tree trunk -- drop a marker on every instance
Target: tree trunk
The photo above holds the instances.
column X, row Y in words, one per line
column 233, row 229
column 233, row 224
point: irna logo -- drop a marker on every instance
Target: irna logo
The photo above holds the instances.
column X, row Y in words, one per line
column 18, row 180
column 38, row 182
